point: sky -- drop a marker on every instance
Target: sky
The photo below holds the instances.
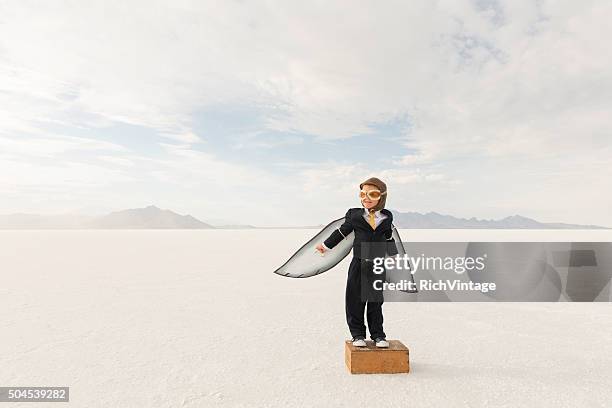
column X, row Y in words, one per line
column 272, row 112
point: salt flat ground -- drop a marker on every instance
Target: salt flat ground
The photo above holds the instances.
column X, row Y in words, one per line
column 198, row 319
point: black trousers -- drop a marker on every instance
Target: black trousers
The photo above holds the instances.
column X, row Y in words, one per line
column 360, row 295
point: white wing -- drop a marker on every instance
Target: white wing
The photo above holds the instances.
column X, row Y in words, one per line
column 307, row 261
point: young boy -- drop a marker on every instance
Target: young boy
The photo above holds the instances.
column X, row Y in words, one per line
column 371, row 223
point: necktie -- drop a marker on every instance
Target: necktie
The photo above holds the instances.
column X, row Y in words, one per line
column 371, row 219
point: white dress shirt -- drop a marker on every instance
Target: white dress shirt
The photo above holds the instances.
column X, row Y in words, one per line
column 378, row 216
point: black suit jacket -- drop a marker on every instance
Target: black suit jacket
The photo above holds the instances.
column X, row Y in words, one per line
column 356, row 223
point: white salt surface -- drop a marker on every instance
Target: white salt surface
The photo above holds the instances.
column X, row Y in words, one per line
column 198, row 319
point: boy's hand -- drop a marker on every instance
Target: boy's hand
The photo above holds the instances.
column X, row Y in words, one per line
column 321, row 248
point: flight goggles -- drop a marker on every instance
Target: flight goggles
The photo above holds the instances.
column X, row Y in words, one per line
column 372, row 194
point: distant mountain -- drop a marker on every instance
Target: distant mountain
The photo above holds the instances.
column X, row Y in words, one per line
column 150, row 217
column 236, row 226
column 433, row 220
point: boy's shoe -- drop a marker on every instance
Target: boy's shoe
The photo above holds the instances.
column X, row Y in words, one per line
column 359, row 341
column 382, row 342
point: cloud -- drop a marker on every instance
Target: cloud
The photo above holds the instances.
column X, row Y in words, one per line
column 52, row 145
column 185, row 137
column 486, row 86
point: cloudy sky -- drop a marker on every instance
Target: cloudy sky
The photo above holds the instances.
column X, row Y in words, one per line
column 271, row 113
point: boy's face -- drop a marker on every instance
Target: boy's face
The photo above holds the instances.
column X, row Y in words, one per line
column 366, row 201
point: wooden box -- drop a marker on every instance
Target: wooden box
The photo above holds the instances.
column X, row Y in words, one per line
column 374, row 360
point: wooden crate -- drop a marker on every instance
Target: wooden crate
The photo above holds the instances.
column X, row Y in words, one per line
column 374, row 360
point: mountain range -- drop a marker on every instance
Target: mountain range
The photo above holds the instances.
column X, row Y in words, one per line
column 152, row 217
